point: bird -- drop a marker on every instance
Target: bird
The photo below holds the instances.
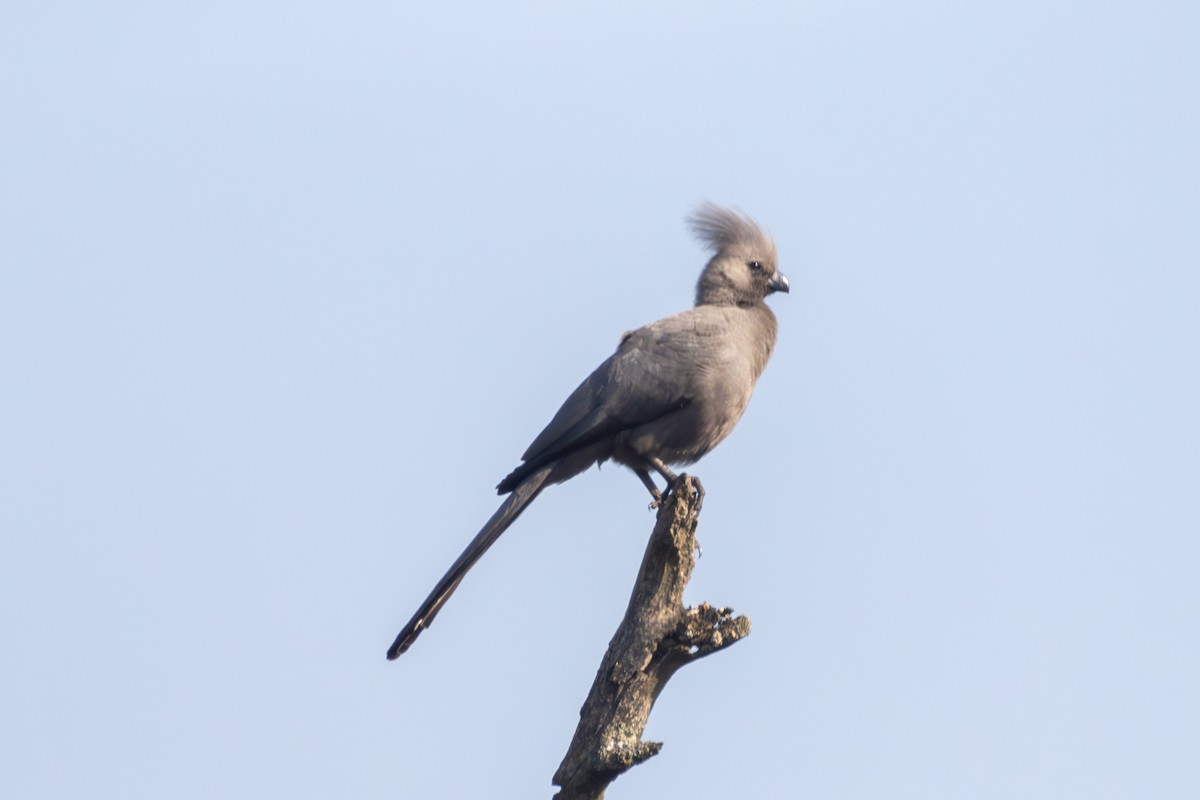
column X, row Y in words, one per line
column 672, row 391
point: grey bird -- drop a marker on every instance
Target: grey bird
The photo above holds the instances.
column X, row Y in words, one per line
column 669, row 394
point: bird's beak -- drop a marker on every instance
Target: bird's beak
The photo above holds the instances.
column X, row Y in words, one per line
column 778, row 283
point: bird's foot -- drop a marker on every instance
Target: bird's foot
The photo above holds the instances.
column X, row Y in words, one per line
column 697, row 493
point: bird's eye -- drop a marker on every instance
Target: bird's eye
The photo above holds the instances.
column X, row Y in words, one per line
column 754, row 265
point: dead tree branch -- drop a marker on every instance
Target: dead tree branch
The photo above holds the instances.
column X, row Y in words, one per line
column 656, row 637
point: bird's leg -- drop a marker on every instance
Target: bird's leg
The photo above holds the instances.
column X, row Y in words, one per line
column 648, row 482
column 670, row 477
column 673, row 479
column 661, row 469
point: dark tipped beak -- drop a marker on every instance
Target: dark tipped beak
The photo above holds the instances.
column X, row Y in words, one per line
column 778, row 283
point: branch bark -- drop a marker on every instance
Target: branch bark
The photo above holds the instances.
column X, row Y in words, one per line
column 656, row 638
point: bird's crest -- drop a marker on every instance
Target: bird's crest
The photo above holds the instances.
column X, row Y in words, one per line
column 725, row 228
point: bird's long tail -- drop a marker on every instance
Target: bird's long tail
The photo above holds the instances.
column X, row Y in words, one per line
column 512, row 506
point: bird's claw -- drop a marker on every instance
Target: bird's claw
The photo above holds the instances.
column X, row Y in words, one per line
column 699, row 493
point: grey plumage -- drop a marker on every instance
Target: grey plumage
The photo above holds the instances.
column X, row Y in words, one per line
column 669, row 394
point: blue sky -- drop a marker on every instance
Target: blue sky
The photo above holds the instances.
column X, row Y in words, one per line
column 287, row 288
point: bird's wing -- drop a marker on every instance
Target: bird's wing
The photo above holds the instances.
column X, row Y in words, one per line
column 652, row 374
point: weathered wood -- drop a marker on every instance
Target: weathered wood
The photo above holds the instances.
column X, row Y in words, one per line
column 656, row 638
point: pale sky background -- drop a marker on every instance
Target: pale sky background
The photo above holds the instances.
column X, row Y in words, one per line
column 288, row 287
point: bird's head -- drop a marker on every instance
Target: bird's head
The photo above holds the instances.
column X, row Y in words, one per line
column 743, row 269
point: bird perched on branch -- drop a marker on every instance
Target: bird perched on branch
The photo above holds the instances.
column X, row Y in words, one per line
column 669, row 394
